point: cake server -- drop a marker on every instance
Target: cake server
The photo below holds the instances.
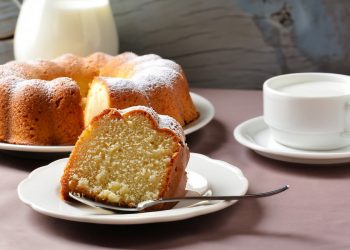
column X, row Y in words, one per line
column 150, row 203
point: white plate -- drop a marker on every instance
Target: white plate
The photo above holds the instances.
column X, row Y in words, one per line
column 204, row 107
column 256, row 135
column 40, row 190
column 206, row 111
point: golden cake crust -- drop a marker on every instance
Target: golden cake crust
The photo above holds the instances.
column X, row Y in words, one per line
column 30, row 90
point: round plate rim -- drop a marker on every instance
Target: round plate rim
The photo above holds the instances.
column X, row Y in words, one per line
column 140, row 218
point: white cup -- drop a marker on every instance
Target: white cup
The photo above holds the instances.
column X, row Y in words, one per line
column 309, row 111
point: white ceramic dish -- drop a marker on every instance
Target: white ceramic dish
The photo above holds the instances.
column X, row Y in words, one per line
column 256, row 135
column 40, row 190
column 206, row 111
column 204, row 107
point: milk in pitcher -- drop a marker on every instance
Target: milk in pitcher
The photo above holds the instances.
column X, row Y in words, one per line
column 48, row 28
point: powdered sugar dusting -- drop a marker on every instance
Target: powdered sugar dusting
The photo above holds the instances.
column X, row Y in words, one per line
column 150, row 71
column 21, row 87
column 28, row 74
column 66, row 82
column 8, row 83
column 122, row 84
column 164, row 121
column 145, row 79
column 159, row 63
column 145, row 58
column 155, row 77
column 46, row 87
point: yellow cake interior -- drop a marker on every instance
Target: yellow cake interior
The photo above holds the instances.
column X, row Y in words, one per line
column 123, row 161
column 97, row 101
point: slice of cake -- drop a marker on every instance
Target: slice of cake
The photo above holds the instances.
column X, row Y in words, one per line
column 127, row 156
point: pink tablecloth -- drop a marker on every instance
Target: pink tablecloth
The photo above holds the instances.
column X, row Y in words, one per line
column 313, row 214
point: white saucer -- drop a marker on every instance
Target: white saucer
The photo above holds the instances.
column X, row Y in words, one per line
column 40, row 190
column 256, row 135
column 204, row 107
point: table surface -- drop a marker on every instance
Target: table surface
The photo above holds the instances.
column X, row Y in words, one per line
column 312, row 214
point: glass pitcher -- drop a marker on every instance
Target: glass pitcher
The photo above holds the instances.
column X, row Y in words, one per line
column 48, row 28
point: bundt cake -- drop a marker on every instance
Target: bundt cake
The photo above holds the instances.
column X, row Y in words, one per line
column 50, row 102
column 127, row 156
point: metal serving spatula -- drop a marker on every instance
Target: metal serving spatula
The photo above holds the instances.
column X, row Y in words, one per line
column 146, row 204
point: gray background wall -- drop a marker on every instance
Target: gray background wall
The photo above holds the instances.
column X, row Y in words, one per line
column 227, row 43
